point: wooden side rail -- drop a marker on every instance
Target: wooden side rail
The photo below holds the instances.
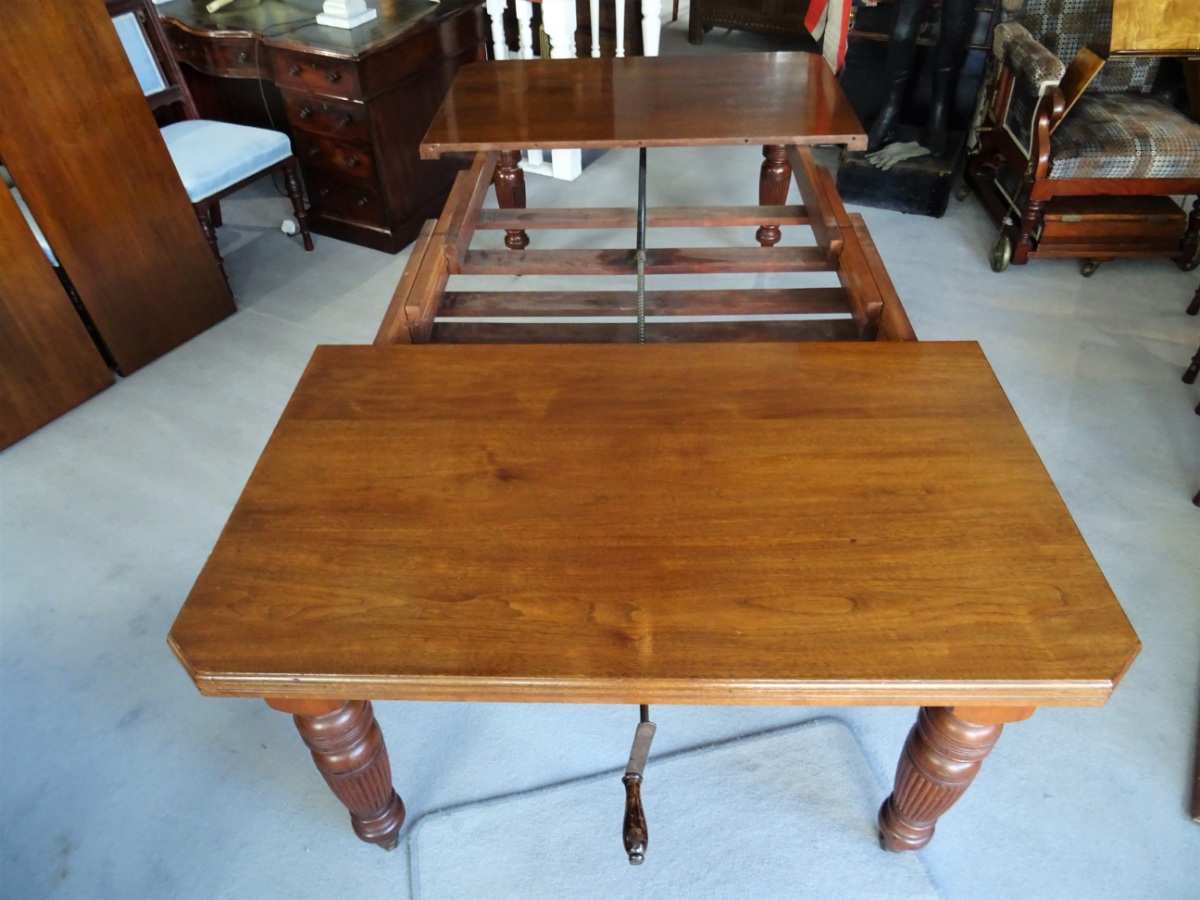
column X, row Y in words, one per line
column 865, row 307
column 687, row 261
column 823, row 204
column 626, row 217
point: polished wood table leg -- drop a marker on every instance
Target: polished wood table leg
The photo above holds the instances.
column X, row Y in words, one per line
column 773, row 184
column 510, row 194
column 940, row 759
column 347, row 746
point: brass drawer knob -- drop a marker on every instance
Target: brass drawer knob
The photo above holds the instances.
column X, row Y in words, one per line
column 351, row 161
column 305, row 112
column 313, row 151
column 333, row 77
column 243, row 57
column 346, row 121
column 293, row 71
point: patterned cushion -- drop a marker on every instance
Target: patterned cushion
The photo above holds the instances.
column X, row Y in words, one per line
column 1030, row 60
column 1064, row 26
column 1125, row 136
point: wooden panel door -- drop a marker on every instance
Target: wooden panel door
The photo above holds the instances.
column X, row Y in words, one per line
column 79, row 139
column 48, row 363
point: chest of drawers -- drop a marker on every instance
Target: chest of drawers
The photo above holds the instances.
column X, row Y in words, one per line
column 356, row 102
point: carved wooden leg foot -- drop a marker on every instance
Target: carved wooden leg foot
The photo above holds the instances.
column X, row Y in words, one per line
column 940, row 759
column 347, row 746
column 773, row 183
column 292, row 183
column 510, row 194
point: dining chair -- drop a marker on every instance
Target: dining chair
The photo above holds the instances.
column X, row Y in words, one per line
column 214, row 159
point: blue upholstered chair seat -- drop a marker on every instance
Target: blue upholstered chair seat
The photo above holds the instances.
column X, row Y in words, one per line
column 212, row 156
column 1125, row 136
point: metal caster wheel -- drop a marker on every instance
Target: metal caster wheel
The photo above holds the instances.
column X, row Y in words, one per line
column 1089, row 268
column 962, row 192
column 1001, row 253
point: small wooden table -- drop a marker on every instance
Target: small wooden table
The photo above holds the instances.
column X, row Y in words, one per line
column 833, row 524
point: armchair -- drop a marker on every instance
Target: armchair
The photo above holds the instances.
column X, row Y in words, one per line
column 213, row 159
column 1082, row 159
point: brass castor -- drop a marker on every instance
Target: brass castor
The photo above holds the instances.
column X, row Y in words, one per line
column 1089, row 268
column 1001, row 253
column 962, row 192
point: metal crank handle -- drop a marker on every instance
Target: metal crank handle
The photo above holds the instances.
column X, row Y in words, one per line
column 635, row 832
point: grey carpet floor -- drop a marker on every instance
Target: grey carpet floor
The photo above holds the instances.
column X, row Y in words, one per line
column 117, row 779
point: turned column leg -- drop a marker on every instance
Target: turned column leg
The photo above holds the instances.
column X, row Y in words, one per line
column 292, row 184
column 773, row 184
column 210, row 235
column 940, row 760
column 1030, row 216
column 347, row 746
column 510, row 194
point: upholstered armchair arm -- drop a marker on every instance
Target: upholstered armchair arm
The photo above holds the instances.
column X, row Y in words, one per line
column 1030, row 62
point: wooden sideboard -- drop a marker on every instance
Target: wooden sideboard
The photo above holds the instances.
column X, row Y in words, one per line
column 764, row 16
column 355, row 102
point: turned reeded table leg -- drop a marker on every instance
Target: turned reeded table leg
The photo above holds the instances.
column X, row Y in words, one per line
column 773, row 184
column 347, row 746
column 510, row 194
column 940, row 760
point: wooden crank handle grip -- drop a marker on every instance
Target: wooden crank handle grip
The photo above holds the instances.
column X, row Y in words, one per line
column 635, row 832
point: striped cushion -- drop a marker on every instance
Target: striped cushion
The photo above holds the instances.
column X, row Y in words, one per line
column 1125, row 136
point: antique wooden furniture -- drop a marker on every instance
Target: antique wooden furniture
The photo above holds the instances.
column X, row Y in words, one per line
column 781, row 523
column 48, row 363
column 355, row 102
column 765, row 523
column 1081, row 160
column 766, row 16
column 783, row 102
column 214, row 159
column 90, row 162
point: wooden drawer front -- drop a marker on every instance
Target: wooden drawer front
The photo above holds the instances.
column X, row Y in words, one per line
column 1134, row 220
column 336, row 118
column 346, row 160
column 317, row 74
column 352, row 200
column 234, row 57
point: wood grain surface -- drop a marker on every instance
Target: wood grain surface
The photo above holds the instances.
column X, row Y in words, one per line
column 739, row 98
column 48, row 363
column 95, row 171
column 709, row 523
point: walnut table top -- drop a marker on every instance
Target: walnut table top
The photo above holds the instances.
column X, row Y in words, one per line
column 708, row 523
column 675, row 101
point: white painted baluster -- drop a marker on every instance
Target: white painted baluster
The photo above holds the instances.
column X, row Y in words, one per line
column 651, row 25
column 558, row 18
column 620, row 5
column 524, row 10
column 495, row 10
column 526, row 50
column 594, row 9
